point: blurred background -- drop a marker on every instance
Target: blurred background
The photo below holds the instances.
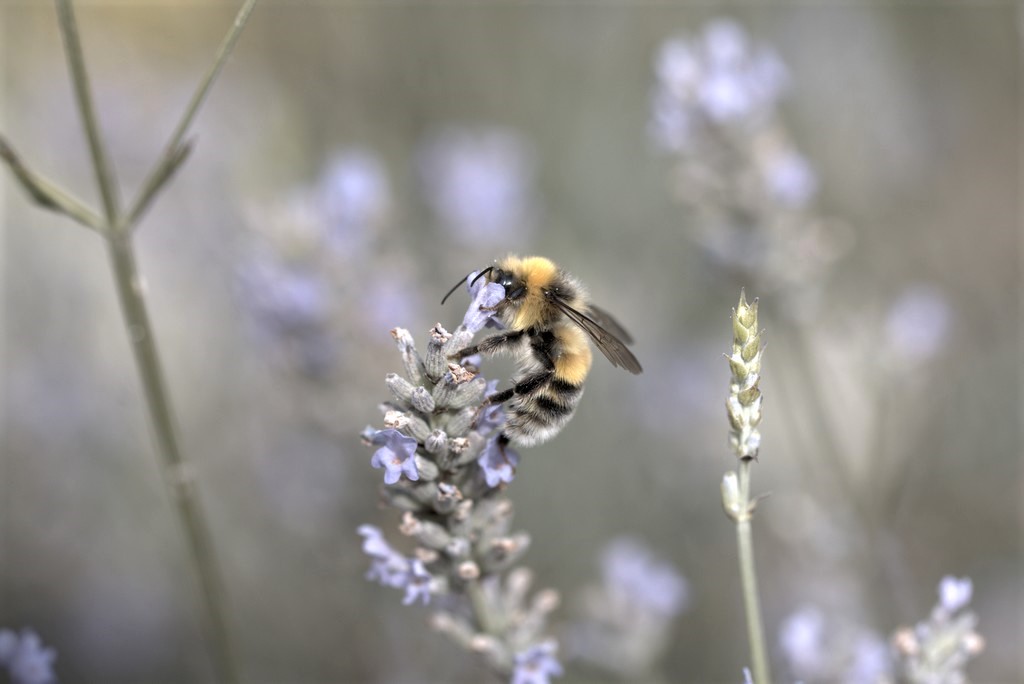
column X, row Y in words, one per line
column 856, row 168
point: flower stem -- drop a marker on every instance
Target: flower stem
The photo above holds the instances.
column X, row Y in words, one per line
column 748, row 579
column 178, row 476
column 83, row 98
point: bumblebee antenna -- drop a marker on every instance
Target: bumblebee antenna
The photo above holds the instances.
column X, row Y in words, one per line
column 456, row 287
column 480, row 275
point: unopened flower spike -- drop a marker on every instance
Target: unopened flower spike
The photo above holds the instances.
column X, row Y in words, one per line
column 744, row 402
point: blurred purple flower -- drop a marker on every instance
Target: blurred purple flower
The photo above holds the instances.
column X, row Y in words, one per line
column 955, row 593
column 718, row 77
column 818, row 648
column 392, row 569
column 790, row 178
column 288, row 298
column 536, row 665
column 871, row 661
column 26, row 659
column 802, row 636
column 396, row 456
column 498, row 463
column 355, row 197
column 390, row 299
column 636, row 577
column 417, row 583
column 918, row 323
column 480, row 182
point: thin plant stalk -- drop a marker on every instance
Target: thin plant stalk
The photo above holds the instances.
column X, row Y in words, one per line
column 743, row 408
column 116, row 227
column 178, row 475
column 748, row 579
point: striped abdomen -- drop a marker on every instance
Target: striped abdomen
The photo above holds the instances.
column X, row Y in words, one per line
column 537, row 417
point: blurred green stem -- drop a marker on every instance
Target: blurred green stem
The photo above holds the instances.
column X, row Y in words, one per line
column 178, row 475
column 117, row 229
column 748, row 577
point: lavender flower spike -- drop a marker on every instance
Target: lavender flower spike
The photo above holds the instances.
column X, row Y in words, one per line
column 437, row 436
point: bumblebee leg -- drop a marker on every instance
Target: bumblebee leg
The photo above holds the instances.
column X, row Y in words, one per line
column 526, row 386
column 490, row 345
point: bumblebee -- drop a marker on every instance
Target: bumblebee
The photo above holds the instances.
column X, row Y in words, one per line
column 547, row 319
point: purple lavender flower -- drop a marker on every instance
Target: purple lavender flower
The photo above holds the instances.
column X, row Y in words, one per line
column 802, row 637
column 417, row 583
column 492, row 417
column 499, row 463
column 26, row 659
column 396, row 456
column 716, row 78
column 392, row 569
column 354, row 196
column 289, row 298
column 790, row 178
column 918, row 323
column 480, row 182
column 955, row 593
column 481, row 310
column 537, row 664
column 638, row 578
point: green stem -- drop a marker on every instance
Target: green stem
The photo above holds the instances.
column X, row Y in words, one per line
column 175, row 151
column 178, row 476
column 47, row 194
column 83, row 97
column 748, row 578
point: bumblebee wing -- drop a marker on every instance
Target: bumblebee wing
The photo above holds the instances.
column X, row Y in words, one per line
column 608, row 322
column 610, row 345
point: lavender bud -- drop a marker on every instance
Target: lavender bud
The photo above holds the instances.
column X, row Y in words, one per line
column 475, row 444
column 401, row 389
column 411, row 360
column 468, row 393
column 468, row 570
column 504, row 551
column 458, row 547
column 396, row 420
column 436, row 443
column 425, row 493
column 427, row 469
column 460, row 423
column 416, row 428
column 517, row 586
column 459, row 341
column 422, row 401
column 401, row 499
column 430, row 534
column 448, row 497
column 436, row 362
column 425, row 555
column 454, row 380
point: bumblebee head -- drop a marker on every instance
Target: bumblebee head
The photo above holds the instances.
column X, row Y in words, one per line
column 515, row 286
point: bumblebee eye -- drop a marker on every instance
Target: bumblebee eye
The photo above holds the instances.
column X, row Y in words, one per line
column 504, row 278
column 516, row 293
